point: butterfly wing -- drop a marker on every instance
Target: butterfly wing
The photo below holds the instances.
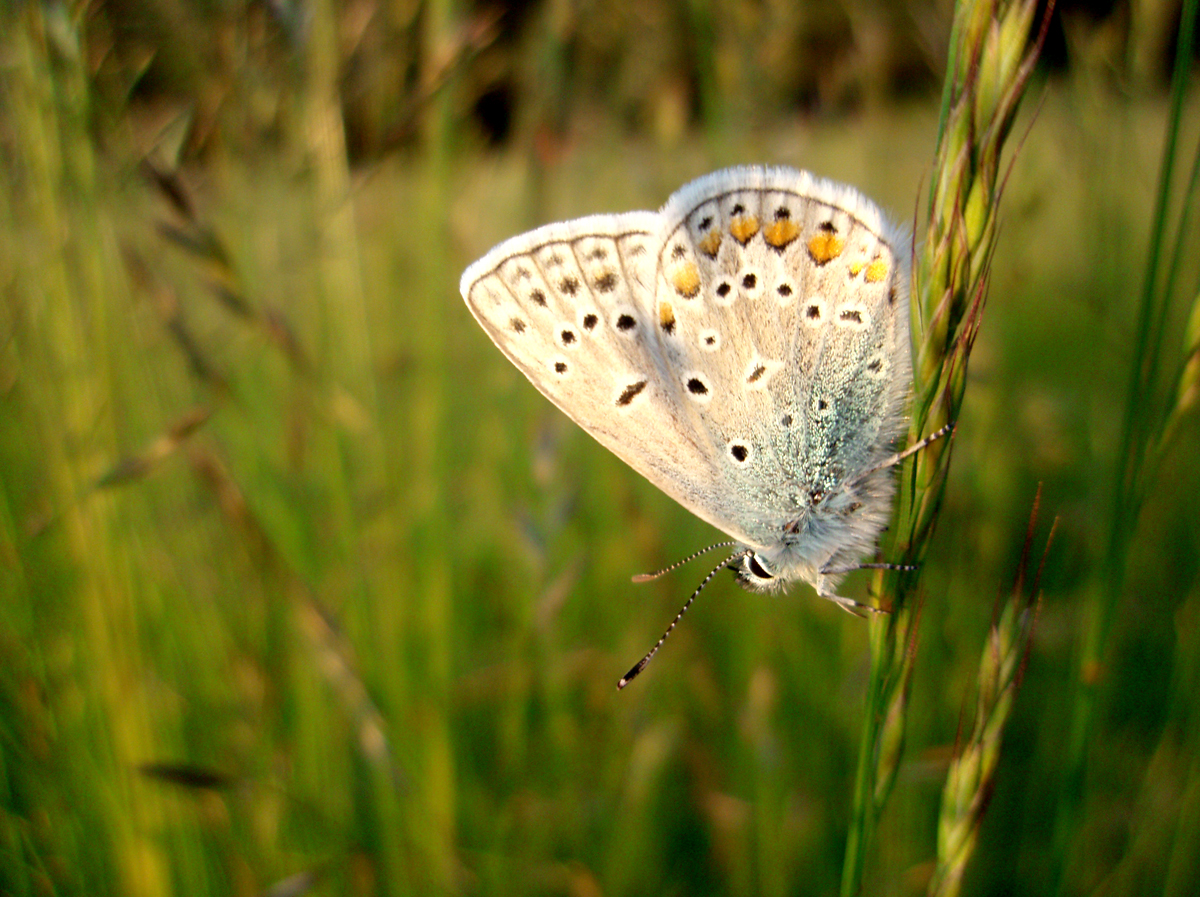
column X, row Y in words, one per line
column 740, row 349
column 781, row 306
column 571, row 305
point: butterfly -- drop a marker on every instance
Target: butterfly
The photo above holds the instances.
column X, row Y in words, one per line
column 745, row 348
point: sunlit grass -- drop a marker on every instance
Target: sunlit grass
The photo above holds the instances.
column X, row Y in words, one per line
column 369, row 612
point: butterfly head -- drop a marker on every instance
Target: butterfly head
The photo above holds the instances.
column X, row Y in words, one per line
column 760, row 571
column 753, row 573
column 807, row 546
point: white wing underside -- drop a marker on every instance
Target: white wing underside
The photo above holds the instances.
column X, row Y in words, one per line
column 745, row 348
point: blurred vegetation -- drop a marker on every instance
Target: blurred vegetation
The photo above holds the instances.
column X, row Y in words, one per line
column 304, row 590
column 531, row 74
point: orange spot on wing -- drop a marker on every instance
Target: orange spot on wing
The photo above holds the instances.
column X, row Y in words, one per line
column 825, row 247
column 743, row 228
column 781, row 232
column 686, row 280
column 666, row 316
column 711, row 243
column 876, row 271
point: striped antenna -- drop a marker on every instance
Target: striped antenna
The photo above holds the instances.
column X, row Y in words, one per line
column 647, row 577
column 641, row 664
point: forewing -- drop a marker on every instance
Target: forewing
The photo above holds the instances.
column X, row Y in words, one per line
column 571, row 305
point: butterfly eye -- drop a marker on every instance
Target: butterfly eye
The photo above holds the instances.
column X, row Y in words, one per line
column 753, row 565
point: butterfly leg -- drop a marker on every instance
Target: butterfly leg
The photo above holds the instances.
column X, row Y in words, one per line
column 839, row 571
column 893, row 460
column 850, row 606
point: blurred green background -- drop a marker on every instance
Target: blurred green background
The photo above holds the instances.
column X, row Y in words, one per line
column 303, row 589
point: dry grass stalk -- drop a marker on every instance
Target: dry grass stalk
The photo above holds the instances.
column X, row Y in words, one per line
column 993, row 49
column 972, row 773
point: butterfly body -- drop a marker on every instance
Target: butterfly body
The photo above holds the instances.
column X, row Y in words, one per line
column 746, row 349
